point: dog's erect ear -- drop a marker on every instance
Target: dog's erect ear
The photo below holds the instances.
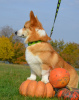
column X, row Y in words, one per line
column 36, row 18
column 39, row 23
column 32, row 18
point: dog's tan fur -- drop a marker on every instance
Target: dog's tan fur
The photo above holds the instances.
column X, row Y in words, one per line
column 49, row 57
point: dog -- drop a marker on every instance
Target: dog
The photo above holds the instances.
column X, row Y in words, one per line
column 40, row 55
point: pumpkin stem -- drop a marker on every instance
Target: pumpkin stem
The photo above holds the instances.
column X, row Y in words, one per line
column 68, row 87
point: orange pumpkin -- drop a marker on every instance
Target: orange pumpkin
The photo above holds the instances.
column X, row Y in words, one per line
column 59, row 77
column 37, row 89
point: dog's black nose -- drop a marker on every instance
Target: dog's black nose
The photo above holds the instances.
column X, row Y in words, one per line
column 16, row 32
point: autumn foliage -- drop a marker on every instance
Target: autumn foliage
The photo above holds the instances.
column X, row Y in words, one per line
column 68, row 51
column 12, row 51
column 6, row 49
column 19, row 53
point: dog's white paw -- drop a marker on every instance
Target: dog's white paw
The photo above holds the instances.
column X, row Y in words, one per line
column 45, row 75
column 31, row 78
column 45, row 80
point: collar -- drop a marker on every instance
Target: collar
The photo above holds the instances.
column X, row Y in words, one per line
column 34, row 42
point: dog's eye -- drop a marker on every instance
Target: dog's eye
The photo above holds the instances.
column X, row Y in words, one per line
column 24, row 26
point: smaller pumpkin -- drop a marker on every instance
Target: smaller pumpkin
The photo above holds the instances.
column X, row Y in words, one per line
column 59, row 77
column 66, row 93
column 37, row 89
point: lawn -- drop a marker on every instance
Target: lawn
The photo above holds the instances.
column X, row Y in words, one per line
column 11, row 77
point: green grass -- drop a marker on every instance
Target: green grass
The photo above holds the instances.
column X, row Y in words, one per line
column 11, row 77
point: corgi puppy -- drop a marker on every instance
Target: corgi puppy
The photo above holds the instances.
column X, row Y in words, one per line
column 40, row 55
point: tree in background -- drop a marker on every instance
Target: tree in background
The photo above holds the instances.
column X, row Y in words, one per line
column 71, row 54
column 6, row 49
column 8, row 41
column 19, row 53
column 58, row 45
column 6, row 31
column 68, row 51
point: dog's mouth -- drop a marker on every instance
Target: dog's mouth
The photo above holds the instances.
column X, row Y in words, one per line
column 20, row 35
column 23, row 36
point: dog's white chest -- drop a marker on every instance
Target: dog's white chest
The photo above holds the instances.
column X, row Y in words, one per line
column 34, row 61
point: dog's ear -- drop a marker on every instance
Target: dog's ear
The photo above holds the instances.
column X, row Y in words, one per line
column 36, row 18
column 39, row 23
column 32, row 18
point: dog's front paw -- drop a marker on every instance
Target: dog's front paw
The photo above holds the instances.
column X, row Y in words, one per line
column 45, row 75
column 31, row 78
column 45, row 80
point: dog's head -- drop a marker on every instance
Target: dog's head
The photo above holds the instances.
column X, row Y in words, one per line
column 33, row 30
